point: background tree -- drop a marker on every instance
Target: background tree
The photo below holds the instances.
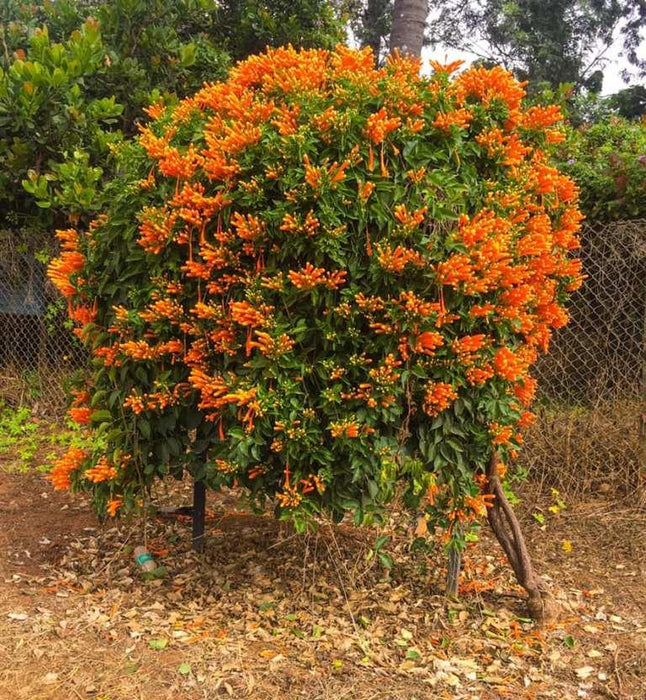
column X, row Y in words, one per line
column 371, row 21
column 544, row 41
column 249, row 26
column 49, row 126
column 634, row 15
column 630, row 103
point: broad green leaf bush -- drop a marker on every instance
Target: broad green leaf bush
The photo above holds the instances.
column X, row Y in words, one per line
column 74, row 76
column 318, row 280
column 49, row 126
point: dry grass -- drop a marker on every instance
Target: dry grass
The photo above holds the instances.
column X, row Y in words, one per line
column 588, row 449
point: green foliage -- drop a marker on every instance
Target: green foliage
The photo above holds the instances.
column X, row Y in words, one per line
column 250, row 26
column 631, row 102
column 608, row 161
column 28, row 442
column 49, row 126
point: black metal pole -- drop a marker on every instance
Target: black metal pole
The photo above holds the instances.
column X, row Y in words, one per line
column 199, row 512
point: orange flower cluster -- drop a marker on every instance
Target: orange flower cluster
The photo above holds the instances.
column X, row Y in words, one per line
column 491, row 84
column 525, row 390
column 460, row 118
column 80, row 414
column 154, row 401
column 309, row 227
column 346, row 429
column 477, row 376
column 245, row 314
column 101, row 472
column 428, row 341
column 409, row 220
column 309, row 277
column 479, row 504
column 379, row 125
column 312, row 482
column 113, row 506
column 396, row 259
column 508, row 365
column 438, row 396
column 249, row 228
column 270, row 346
column 469, row 343
column 71, row 461
column 70, row 261
column 500, row 434
column 142, row 350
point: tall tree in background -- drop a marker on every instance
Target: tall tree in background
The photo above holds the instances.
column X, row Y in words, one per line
column 549, row 41
column 370, row 21
column 409, row 22
column 634, row 16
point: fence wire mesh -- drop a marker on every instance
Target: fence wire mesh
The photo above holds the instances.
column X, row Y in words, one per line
column 590, row 432
column 38, row 352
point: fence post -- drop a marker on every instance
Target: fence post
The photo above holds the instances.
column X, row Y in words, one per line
column 641, row 463
column 199, row 514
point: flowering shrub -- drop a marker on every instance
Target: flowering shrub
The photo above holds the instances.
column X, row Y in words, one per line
column 326, row 279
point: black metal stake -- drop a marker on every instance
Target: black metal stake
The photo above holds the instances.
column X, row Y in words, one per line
column 199, row 512
column 453, row 573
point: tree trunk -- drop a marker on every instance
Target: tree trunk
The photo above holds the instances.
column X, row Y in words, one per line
column 409, row 21
column 371, row 26
column 505, row 525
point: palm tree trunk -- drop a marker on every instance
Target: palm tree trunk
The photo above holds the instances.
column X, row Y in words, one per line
column 409, row 20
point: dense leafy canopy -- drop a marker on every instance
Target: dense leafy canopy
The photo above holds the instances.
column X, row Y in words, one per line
column 608, row 161
column 322, row 279
column 49, row 125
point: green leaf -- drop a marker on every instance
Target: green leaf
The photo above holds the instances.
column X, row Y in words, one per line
column 101, row 416
column 381, row 541
column 156, row 573
column 158, row 644
column 184, row 669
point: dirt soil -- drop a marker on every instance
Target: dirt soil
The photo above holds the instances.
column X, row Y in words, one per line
column 266, row 614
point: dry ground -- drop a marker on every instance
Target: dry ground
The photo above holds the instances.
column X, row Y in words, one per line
column 269, row 615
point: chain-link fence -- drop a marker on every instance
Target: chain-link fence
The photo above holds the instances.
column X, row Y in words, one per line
column 38, row 352
column 590, row 432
